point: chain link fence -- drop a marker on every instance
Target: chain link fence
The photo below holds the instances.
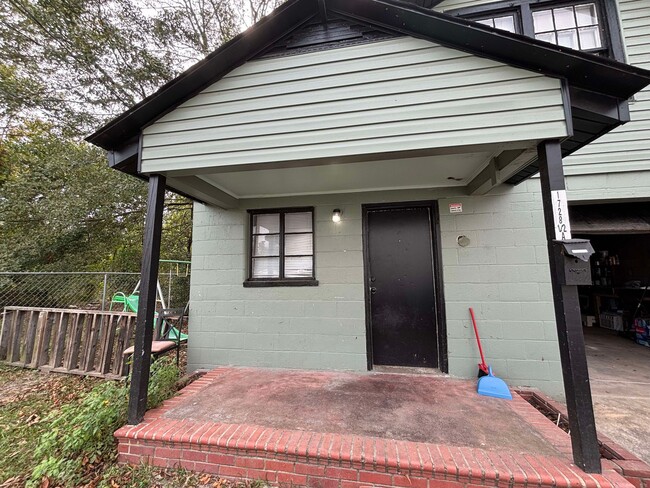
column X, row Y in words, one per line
column 90, row 290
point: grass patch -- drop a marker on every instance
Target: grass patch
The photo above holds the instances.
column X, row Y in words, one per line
column 29, row 397
column 79, row 440
column 57, row 431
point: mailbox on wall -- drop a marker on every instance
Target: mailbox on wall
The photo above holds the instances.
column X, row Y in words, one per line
column 573, row 255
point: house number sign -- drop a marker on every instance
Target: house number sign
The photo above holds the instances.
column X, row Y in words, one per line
column 561, row 215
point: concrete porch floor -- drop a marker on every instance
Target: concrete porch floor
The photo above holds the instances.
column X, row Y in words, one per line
column 350, row 430
column 417, row 408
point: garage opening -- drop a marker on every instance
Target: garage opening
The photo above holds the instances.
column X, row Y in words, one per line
column 616, row 318
column 618, row 299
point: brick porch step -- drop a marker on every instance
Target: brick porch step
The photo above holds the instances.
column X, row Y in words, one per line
column 332, row 460
column 321, row 459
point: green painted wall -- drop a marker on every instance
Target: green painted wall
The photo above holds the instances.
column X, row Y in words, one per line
column 503, row 274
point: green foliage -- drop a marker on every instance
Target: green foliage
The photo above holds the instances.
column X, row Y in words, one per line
column 164, row 376
column 17, row 93
column 77, row 61
column 28, row 397
column 66, row 67
column 62, row 208
column 81, row 434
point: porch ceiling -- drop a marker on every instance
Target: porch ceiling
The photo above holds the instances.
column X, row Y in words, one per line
column 476, row 169
column 419, row 172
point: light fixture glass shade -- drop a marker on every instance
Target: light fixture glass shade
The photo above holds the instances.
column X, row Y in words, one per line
column 336, row 215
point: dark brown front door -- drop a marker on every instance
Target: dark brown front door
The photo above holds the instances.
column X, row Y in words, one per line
column 401, row 285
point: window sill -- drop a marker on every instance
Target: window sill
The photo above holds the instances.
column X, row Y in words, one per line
column 271, row 283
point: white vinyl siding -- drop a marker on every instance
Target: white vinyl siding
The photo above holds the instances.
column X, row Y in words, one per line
column 397, row 95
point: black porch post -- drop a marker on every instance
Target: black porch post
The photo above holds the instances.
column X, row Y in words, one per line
column 147, row 304
column 586, row 453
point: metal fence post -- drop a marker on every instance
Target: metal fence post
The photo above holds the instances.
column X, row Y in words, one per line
column 169, row 289
column 104, row 292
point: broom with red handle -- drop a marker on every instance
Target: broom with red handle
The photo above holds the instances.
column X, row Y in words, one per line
column 482, row 367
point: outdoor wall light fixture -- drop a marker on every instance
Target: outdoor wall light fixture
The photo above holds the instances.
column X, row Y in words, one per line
column 336, row 216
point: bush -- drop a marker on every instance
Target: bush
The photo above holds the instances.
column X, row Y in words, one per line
column 164, row 377
column 81, row 434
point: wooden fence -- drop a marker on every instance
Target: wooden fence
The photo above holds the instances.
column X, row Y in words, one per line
column 85, row 342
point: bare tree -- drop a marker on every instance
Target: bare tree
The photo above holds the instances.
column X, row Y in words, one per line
column 198, row 27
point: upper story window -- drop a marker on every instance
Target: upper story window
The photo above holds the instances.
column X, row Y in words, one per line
column 503, row 22
column 281, row 247
column 574, row 26
column 590, row 25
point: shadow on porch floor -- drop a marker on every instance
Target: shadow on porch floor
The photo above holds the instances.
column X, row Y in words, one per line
column 350, row 430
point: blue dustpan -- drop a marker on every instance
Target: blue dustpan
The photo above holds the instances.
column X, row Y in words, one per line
column 492, row 386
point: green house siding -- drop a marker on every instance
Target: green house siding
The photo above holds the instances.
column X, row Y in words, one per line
column 388, row 96
column 503, row 274
column 397, row 95
column 609, row 187
column 627, row 148
column 616, row 166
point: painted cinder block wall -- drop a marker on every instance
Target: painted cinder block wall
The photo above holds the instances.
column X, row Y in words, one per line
column 503, row 274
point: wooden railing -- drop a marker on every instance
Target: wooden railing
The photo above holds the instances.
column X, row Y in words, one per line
column 85, row 342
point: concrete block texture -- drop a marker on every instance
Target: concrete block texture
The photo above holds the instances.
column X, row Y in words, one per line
column 502, row 273
column 291, row 327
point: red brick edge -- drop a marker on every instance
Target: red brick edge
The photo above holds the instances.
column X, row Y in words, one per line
column 617, row 458
column 331, row 460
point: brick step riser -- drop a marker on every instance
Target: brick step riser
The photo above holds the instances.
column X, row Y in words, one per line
column 286, row 469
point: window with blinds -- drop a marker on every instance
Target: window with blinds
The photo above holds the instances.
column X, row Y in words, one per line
column 282, row 245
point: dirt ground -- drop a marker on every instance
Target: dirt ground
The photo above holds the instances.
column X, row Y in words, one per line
column 620, row 385
column 16, row 383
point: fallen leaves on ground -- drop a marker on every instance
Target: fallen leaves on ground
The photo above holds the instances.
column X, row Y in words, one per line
column 13, row 482
column 29, row 396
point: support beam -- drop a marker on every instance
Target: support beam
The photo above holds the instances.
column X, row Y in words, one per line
column 201, row 190
column 505, row 163
column 584, row 441
column 147, row 304
column 598, row 107
column 125, row 158
column 206, row 168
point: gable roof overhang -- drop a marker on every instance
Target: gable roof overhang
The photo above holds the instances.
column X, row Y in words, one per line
column 598, row 87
